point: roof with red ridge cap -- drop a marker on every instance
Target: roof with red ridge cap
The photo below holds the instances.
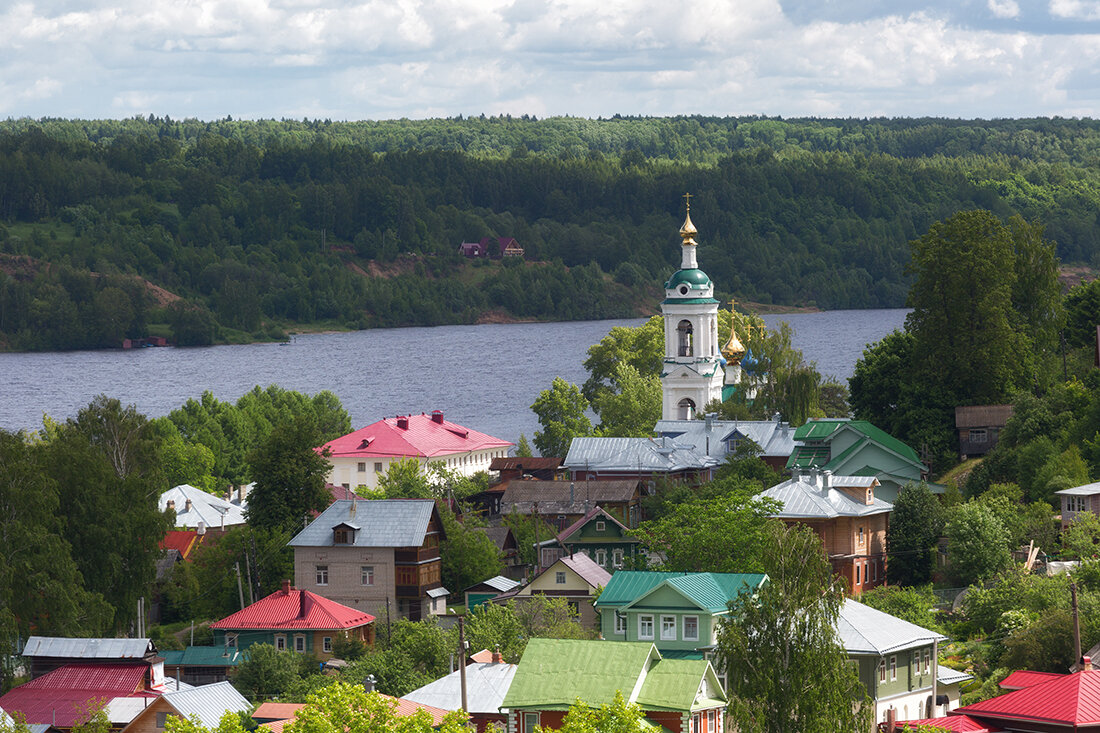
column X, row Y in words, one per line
column 1069, row 700
column 426, row 436
column 290, row 608
column 64, row 696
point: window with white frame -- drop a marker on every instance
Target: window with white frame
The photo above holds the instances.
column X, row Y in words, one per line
column 601, row 558
column 616, row 559
column 916, row 663
column 862, row 539
column 231, row 640
column 326, row 644
column 366, row 575
column 559, row 577
column 620, row 623
column 601, row 525
column 300, row 644
column 882, row 670
column 691, row 628
column 645, row 626
column 711, row 723
column 978, row 435
column 1077, row 504
column 668, row 628
column 322, row 575
column 280, row 642
column 893, row 669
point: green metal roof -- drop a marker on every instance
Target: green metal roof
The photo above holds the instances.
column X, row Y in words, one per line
column 202, row 656
column 687, row 301
column 804, row 456
column 709, row 591
column 817, row 430
column 696, row 278
column 556, row 672
column 673, row 682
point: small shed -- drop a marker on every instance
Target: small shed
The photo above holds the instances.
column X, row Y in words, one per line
column 979, row 427
column 487, row 589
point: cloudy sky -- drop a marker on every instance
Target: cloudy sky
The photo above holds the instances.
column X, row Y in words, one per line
column 384, row 59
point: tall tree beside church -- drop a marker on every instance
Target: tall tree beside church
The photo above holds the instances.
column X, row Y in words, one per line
column 289, row 476
column 560, row 410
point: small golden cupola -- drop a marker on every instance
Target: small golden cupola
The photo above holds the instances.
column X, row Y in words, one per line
column 688, row 230
column 734, row 349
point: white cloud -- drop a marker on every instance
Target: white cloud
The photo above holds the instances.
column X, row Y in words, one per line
column 1004, row 8
column 1075, row 9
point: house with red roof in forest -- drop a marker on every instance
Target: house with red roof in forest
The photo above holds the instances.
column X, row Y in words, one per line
column 1046, row 704
column 293, row 619
column 70, row 694
column 360, row 457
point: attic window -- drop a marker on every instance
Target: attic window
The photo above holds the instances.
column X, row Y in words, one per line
column 600, row 525
column 460, row 433
column 365, row 442
column 344, row 534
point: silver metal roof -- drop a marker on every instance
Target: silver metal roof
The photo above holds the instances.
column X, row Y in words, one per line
column 865, row 630
column 948, row 676
column 214, row 512
column 64, row 647
column 438, row 593
column 1085, row 490
column 804, row 500
column 640, row 455
column 208, row 702
column 775, row 438
column 499, row 583
column 486, row 686
column 382, row 522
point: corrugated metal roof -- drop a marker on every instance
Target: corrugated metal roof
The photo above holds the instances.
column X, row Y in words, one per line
column 203, row 656
column 951, row 724
column 804, row 500
column 277, row 710
column 92, row 648
column 208, row 702
column 948, row 676
column 295, row 609
column 775, row 438
column 712, row 591
column 553, row 497
column 383, row 523
column 423, row 438
column 586, row 568
column 403, row 707
column 486, row 686
column 214, row 512
column 866, row 630
column 1022, row 678
column 498, row 583
column 524, row 463
column 673, row 682
column 554, row 673
column 62, row 696
column 1072, row 699
column 982, row 416
column 121, row 679
column 640, row 455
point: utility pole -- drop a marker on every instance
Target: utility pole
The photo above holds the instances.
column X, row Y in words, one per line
column 462, row 659
column 1076, row 624
column 240, row 589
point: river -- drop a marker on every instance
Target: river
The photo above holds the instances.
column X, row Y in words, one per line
column 484, row 377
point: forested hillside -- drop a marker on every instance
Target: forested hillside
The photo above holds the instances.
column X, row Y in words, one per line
column 233, row 230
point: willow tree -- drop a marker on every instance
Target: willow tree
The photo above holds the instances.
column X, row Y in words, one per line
column 786, row 667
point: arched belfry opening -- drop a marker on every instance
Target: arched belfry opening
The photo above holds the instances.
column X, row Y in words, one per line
column 687, row 409
column 687, row 338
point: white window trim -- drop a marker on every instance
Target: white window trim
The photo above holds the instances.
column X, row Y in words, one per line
column 280, row 642
column 299, row 638
column 617, row 558
column 326, row 644
column 641, row 619
column 620, row 623
column 894, row 669
column 685, row 631
column 670, row 623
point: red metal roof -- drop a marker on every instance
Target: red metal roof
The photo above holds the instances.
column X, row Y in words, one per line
column 425, row 437
column 64, row 696
column 403, row 709
column 406, row 708
column 294, row 609
column 182, row 540
column 1022, row 678
column 952, row 723
column 277, row 710
column 1072, row 699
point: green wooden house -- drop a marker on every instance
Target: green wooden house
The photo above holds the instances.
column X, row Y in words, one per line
column 599, row 535
column 677, row 612
column 680, row 695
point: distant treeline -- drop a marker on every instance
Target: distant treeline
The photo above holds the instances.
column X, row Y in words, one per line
column 250, row 227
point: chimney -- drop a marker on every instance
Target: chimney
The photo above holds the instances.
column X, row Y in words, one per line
column 826, row 477
column 708, row 419
column 437, row 416
column 187, row 506
column 201, row 529
column 240, row 494
column 172, row 504
column 403, row 422
column 498, row 658
column 286, row 587
column 1086, row 663
column 891, row 720
column 368, row 683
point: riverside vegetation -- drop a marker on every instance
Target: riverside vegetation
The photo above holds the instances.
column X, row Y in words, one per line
column 208, row 232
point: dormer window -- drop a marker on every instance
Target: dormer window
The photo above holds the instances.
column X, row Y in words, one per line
column 344, row 534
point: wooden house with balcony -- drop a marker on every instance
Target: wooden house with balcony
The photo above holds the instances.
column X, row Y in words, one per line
column 377, row 556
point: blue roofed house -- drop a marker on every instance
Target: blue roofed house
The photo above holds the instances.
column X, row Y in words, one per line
column 858, row 448
column 677, row 612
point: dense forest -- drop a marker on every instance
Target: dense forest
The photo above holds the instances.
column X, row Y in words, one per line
column 206, row 232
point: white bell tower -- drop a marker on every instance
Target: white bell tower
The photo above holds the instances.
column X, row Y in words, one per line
column 692, row 374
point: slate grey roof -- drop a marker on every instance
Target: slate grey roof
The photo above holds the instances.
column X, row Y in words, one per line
column 775, row 438
column 865, row 630
column 637, row 455
column 211, row 510
column 1084, row 490
column 807, row 498
column 382, row 522
column 948, row 676
column 486, row 686
column 438, row 593
column 95, row 648
column 208, row 702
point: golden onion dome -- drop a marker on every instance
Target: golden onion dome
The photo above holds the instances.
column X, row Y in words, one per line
column 734, row 349
column 688, row 230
